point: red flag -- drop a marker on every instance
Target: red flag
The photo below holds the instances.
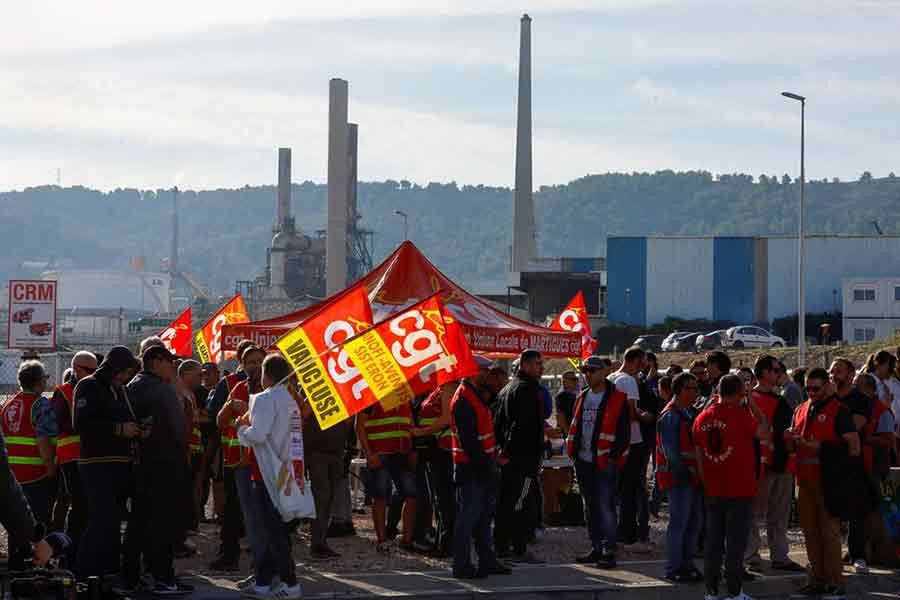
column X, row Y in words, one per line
column 575, row 318
column 177, row 336
column 455, row 344
column 209, row 338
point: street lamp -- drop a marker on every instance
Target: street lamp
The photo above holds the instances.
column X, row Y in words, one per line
column 801, row 283
column 405, row 217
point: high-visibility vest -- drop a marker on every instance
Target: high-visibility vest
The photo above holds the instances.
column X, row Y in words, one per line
column 68, row 445
column 390, row 432
column 768, row 405
column 664, row 476
column 868, row 452
column 232, row 454
column 429, row 412
column 613, row 405
column 485, row 424
column 17, row 417
column 820, row 428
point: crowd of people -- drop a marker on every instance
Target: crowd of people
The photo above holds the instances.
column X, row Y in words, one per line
column 147, row 440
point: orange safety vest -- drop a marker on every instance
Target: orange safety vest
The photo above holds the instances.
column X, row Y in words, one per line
column 821, row 428
column 484, row 423
column 429, row 412
column 768, row 405
column 390, row 432
column 17, row 419
column 612, row 409
column 664, row 476
column 868, row 452
column 232, row 453
column 68, row 445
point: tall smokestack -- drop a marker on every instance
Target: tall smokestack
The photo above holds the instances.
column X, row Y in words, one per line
column 284, row 187
column 352, row 153
column 523, row 248
column 173, row 251
column 336, row 242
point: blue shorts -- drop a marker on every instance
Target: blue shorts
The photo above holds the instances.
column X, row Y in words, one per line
column 394, row 469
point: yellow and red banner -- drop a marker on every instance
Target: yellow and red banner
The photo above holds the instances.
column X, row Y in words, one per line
column 209, row 339
column 335, row 388
column 177, row 336
column 575, row 318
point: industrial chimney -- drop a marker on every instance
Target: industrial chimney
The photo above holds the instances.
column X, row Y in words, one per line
column 523, row 248
column 284, row 229
column 284, row 189
column 173, row 251
column 338, row 176
column 352, row 156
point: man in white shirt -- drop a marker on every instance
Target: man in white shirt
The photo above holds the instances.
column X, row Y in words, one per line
column 633, row 481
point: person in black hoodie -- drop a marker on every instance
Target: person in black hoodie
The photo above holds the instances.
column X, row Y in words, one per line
column 520, row 439
column 161, row 476
column 109, row 429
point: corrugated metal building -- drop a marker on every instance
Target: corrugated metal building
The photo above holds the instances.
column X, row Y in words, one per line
column 739, row 279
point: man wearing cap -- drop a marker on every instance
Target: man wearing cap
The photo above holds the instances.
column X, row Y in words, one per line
column 473, row 451
column 162, row 475
column 598, row 442
column 108, row 427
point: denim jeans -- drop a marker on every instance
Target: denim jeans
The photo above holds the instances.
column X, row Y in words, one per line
column 252, row 525
column 599, row 490
column 685, row 522
column 727, row 528
column 271, row 546
column 476, row 504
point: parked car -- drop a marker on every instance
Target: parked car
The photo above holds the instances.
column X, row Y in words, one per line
column 750, row 336
column 710, row 341
column 23, row 316
column 649, row 342
column 40, row 328
column 680, row 341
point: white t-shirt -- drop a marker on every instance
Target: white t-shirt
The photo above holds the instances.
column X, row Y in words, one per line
column 893, row 386
column 592, row 402
column 626, row 384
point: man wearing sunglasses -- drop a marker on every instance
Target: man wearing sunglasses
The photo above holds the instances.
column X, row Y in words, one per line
column 68, row 444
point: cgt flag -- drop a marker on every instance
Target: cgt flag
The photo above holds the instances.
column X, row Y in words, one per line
column 209, row 339
column 177, row 336
column 575, row 318
column 334, row 386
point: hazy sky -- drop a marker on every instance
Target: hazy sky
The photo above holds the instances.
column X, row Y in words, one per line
column 200, row 93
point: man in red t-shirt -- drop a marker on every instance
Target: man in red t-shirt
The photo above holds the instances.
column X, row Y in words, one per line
column 724, row 436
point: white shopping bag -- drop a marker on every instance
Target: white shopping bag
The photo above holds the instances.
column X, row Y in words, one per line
column 278, row 476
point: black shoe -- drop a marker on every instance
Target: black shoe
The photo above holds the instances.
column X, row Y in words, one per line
column 608, row 561
column 497, row 568
column 694, row 575
column 336, row 530
column 172, row 589
column 225, row 565
column 467, row 573
column 589, row 559
column 810, row 590
column 748, row 576
column 323, row 553
column 679, row 577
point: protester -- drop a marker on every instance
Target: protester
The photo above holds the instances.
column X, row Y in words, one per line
column 821, row 425
column 190, row 376
column 519, row 428
column 656, row 494
column 108, row 428
column 210, row 376
column 791, row 391
column 650, row 405
column 772, row 505
column 565, row 401
column 268, row 425
column 701, row 373
column 724, row 435
column 211, row 473
column 599, row 441
column 435, row 436
column 718, row 364
column 474, row 455
column 226, row 408
column 633, row 477
column 159, row 509
column 68, row 445
column 885, row 370
column 386, row 440
column 677, row 476
column 28, row 423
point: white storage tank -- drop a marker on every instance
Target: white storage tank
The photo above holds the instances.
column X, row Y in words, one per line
column 88, row 289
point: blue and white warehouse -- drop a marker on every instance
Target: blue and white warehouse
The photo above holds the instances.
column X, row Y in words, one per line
column 738, row 279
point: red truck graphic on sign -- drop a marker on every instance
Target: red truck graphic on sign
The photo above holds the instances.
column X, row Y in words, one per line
column 42, row 329
column 23, row 316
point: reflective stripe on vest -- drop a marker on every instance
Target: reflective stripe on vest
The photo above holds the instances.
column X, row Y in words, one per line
column 429, row 412
column 68, row 446
column 483, row 422
column 665, row 478
column 17, row 422
column 232, row 453
column 612, row 406
column 196, row 441
column 389, row 432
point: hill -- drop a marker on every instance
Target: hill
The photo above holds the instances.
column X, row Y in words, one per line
column 465, row 230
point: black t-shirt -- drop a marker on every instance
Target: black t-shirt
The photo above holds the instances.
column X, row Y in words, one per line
column 565, row 404
column 843, row 420
column 858, row 403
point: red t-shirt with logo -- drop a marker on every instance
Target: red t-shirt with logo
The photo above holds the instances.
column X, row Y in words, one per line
column 724, row 435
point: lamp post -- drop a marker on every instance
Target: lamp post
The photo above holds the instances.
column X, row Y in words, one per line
column 405, row 217
column 801, row 283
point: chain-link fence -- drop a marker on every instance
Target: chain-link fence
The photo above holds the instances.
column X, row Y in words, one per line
column 55, row 364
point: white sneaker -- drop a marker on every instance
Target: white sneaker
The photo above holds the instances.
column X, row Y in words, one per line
column 246, row 583
column 712, row 597
column 860, row 567
column 741, row 596
column 284, row 592
column 257, row 592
